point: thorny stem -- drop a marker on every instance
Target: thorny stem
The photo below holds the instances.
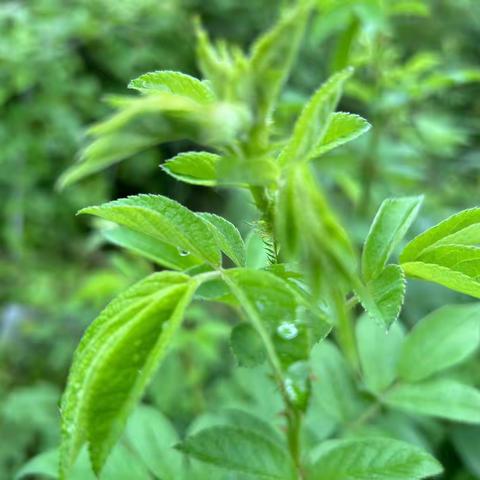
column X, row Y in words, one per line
column 294, row 416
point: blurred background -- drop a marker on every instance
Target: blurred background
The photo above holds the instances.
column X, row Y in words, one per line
column 417, row 81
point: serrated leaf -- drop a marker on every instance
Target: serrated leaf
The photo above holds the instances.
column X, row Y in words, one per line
column 228, row 238
column 342, row 128
column 383, row 296
column 452, row 279
column 197, row 168
column 313, row 122
column 272, row 57
column 460, row 229
column 115, row 360
column 372, row 458
column 164, row 219
column 174, row 82
column 442, row 398
column 379, row 352
column 240, row 450
column 247, row 346
column 155, row 250
column 442, row 339
column 388, row 228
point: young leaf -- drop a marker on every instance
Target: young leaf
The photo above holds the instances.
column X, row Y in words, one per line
column 372, row 458
column 272, row 58
column 443, row 398
column 379, row 352
column 314, row 120
column 242, row 451
column 342, row 128
column 155, row 250
column 197, row 168
column 389, row 226
column 163, row 219
column 383, row 296
column 247, row 345
column 460, row 229
column 440, row 340
column 174, row 82
column 115, row 360
column 228, row 238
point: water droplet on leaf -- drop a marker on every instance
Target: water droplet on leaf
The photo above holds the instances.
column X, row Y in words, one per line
column 287, row 330
column 182, row 252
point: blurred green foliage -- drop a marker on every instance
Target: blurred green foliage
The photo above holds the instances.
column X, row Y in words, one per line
column 417, row 81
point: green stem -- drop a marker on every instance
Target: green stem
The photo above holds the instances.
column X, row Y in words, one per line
column 345, row 332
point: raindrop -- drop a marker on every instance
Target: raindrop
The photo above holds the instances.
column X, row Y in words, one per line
column 287, row 330
column 182, row 252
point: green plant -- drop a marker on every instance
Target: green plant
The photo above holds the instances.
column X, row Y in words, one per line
column 311, row 286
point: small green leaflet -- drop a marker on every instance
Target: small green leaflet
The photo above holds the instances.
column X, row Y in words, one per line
column 379, row 352
column 164, row 219
column 314, row 119
column 445, row 254
column 388, row 228
column 174, row 82
column 228, row 238
column 114, row 362
column 242, row 451
column 155, row 250
column 442, row 398
column 342, row 128
column 383, row 296
column 454, row 266
column 197, row 168
column 440, row 340
column 372, row 458
column 460, row 229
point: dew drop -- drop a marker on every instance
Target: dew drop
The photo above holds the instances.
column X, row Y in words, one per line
column 287, row 330
column 182, row 252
